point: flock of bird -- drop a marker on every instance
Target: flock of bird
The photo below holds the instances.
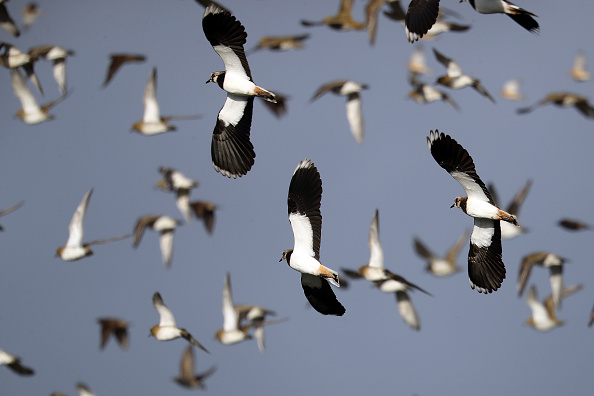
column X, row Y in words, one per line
column 233, row 156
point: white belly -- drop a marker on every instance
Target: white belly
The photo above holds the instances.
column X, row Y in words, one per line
column 238, row 85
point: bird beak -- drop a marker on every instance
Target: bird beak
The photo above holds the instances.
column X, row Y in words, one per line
column 280, row 260
column 452, row 205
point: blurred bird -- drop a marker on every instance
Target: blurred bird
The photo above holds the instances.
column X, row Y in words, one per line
column 563, row 99
column 546, row 260
column 177, row 182
column 455, row 79
column 117, row 61
column 280, row 43
column 574, row 225
column 84, row 390
column 187, row 373
column 519, row 15
column 420, row 17
column 371, row 14
column 591, row 322
column 6, row 211
column 441, row 266
column 544, row 317
column 416, row 63
column 152, row 123
column 343, row 20
column 304, row 201
column 7, row 23
column 511, row 90
column 30, row 112
column 486, row 270
column 74, row 248
column 256, row 317
column 205, row 211
column 578, row 72
column 30, row 14
column 424, row 93
column 14, row 363
column 117, row 327
column 232, row 332
column 508, row 230
column 351, row 90
column 166, row 226
column 13, row 58
column 231, row 150
column 167, row 330
column 58, row 55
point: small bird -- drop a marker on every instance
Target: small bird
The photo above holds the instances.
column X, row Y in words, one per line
column 232, row 332
column 30, row 113
column 544, row 317
column 511, row 90
column 399, row 286
column 573, row 225
column 456, row 79
column 175, row 181
column 205, row 211
column 58, row 55
column 519, row 15
column 13, row 58
column 231, row 150
column 255, row 315
column 187, row 373
column 74, row 248
column 424, row 93
column 4, row 212
column 117, row 61
column 30, row 14
column 563, row 99
column 14, row 363
column 420, row 17
column 166, row 226
column 304, row 201
column 343, row 20
column 167, row 330
column 152, row 123
column 281, row 43
column 416, row 63
column 546, row 260
column 439, row 266
column 351, row 90
column 7, row 23
column 578, row 72
column 84, row 390
column 486, row 270
column 508, row 230
column 117, row 327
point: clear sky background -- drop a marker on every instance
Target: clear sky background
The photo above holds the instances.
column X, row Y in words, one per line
column 468, row 343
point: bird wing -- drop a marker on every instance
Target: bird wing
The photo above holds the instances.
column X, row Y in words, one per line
column 166, row 317
column 230, row 317
column 355, row 116
column 320, row 295
column 75, row 229
column 23, row 93
column 151, row 106
column 486, row 270
column 376, row 257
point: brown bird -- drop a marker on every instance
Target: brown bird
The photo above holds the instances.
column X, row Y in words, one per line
column 117, row 327
column 574, row 225
column 341, row 21
column 563, row 99
column 117, row 61
column 205, row 211
column 547, row 260
column 187, row 375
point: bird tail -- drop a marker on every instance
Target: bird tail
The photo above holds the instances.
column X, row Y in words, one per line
column 264, row 94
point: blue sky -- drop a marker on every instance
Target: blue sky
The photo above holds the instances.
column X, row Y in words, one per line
column 467, row 342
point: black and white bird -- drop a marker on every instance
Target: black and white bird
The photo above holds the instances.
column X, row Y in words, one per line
column 14, row 363
column 486, row 270
column 420, row 17
column 351, row 90
column 304, row 200
column 520, row 15
column 231, row 150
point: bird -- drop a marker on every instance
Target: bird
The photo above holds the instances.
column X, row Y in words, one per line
column 578, row 71
column 343, row 20
column 166, row 226
column 573, row 225
column 167, row 330
column 281, row 43
column 152, row 123
column 255, row 315
column 84, row 390
column 74, row 249
column 30, row 14
column 231, row 150
column 175, row 181
column 563, row 99
column 544, row 317
column 547, row 260
column 117, row 327
column 4, row 212
column 456, row 79
column 13, row 58
column 420, row 17
column 416, row 63
column 117, row 60
column 205, row 211
column 486, row 270
column 519, row 15
column 351, row 90
column 441, row 266
column 304, row 201
column 232, row 332
column 7, row 23
column 591, row 321
column 371, row 14
column 400, row 287
column 511, row 90
column 508, row 230
column 14, row 363
column 58, row 55
column 30, row 113
column 424, row 93
column 187, row 373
